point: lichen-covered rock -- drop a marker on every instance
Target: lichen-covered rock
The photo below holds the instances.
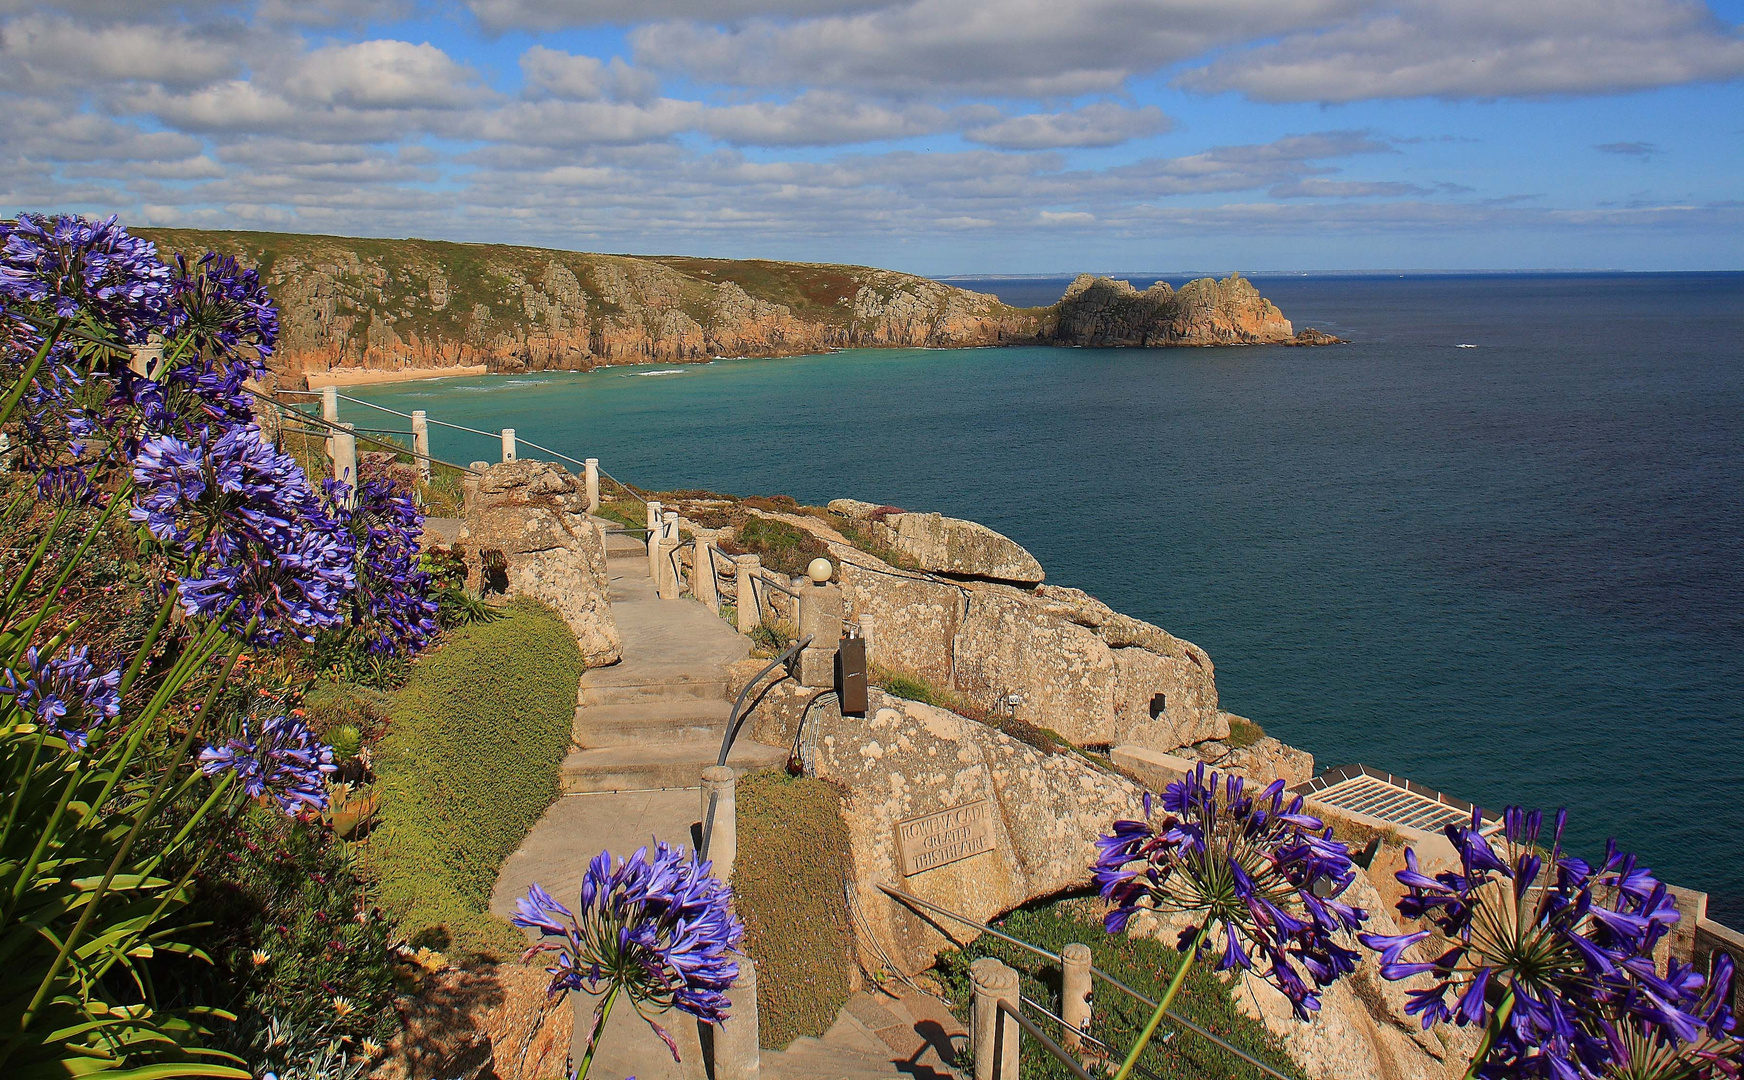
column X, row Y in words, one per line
column 945, row 545
column 1064, row 672
column 489, row 1020
column 532, row 513
column 906, row 759
column 916, row 619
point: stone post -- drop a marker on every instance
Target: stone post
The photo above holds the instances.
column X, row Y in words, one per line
column 508, row 444
column 5, row 452
column 668, row 582
column 820, row 618
column 592, row 477
column 746, row 568
column 421, row 442
column 654, row 543
column 1075, row 992
column 345, row 460
column 330, row 411
column 703, row 584
column 994, row 1034
column 720, row 782
column 736, row 1056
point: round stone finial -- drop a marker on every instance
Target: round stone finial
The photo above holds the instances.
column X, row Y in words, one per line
column 820, row 570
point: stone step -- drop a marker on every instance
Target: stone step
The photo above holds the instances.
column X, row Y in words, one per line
column 711, row 686
column 650, row 721
column 647, row 766
column 811, row 1059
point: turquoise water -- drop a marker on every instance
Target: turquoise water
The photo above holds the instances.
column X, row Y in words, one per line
column 1514, row 572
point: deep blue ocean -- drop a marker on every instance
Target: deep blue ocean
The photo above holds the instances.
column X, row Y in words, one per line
column 1514, row 572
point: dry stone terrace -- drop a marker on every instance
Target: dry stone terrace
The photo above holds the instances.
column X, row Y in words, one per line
column 949, row 807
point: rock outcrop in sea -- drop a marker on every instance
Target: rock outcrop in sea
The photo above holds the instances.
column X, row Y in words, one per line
column 361, row 305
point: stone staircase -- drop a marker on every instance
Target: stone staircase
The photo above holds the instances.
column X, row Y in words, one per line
column 875, row 1037
column 655, row 719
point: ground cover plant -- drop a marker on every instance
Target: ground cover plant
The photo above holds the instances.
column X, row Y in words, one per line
column 1145, row 964
column 169, row 576
column 472, row 758
column 787, row 881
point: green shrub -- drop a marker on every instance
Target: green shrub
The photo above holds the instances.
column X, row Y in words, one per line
column 787, row 884
column 1244, row 732
column 473, row 758
column 783, row 548
column 1146, row 965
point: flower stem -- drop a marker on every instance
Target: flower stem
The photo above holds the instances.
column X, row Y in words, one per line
column 1175, row 984
column 599, row 1027
column 23, row 384
column 1491, row 1033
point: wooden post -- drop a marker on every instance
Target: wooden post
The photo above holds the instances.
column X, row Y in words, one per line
column 703, row 584
column 1075, row 992
column 421, row 442
column 746, row 568
column 668, row 582
column 345, row 460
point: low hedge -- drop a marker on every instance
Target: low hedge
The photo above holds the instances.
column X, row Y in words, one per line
column 473, row 757
column 787, row 886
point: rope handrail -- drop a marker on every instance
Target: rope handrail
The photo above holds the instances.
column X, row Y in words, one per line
column 330, row 427
column 770, row 577
column 915, row 901
column 734, row 723
column 1040, row 1036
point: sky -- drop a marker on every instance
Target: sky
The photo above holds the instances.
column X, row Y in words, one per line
column 932, row 136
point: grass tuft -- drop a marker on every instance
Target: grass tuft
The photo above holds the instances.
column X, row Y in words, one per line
column 1244, row 733
column 1146, row 965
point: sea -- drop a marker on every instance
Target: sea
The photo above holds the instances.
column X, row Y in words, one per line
column 1494, row 544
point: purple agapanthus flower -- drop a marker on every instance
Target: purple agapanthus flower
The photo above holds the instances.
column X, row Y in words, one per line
column 80, row 267
column 656, row 926
column 1252, row 870
column 257, row 544
column 223, row 310
column 284, row 760
column 69, row 696
column 1554, row 954
column 396, row 613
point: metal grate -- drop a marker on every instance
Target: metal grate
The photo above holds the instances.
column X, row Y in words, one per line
column 1390, row 798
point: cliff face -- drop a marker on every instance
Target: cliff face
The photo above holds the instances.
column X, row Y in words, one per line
column 1100, row 311
column 396, row 305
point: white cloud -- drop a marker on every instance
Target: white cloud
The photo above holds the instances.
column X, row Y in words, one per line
column 45, row 51
column 384, row 74
column 1065, row 217
column 1101, row 124
column 819, row 118
column 501, row 15
column 1487, row 49
column 1029, row 48
column 553, row 73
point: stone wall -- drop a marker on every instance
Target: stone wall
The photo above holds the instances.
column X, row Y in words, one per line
column 535, row 515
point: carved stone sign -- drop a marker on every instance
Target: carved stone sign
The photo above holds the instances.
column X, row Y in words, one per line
column 932, row 840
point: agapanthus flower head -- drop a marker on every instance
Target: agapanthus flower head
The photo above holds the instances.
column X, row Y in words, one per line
column 69, row 697
column 1259, row 875
column 256, row 543
column 656, row 925
column 223, row 310
column 1566, row 945
column 396, row 613
column 276, row 756
column 80, row 267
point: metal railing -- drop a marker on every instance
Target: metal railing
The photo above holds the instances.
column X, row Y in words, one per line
column 915, row 901
column 324, row 426
column 736, row 720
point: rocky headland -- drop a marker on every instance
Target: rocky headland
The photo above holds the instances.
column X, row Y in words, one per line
column 352, row 309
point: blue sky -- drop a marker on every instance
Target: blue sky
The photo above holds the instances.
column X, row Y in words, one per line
column 937, row 136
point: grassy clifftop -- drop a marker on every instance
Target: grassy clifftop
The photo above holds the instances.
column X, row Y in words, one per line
column 354, row 304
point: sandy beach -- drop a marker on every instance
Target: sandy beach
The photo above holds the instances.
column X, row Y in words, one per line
column 368, row 376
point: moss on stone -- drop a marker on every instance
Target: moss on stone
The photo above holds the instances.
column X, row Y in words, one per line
column 787, row 881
